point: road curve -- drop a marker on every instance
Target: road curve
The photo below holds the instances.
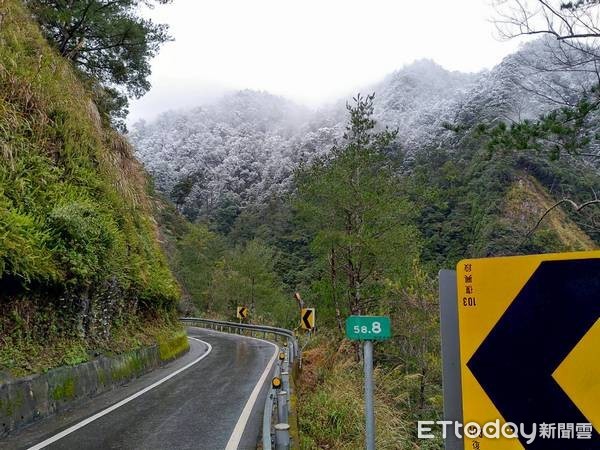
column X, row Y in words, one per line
column 197, row 408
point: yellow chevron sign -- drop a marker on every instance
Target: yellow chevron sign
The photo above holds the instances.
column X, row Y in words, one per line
column 242, row 312
column 307, row 318
column 529, row 329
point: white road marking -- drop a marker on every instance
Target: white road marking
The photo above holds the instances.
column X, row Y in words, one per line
column 240, row 426
column 110, row 409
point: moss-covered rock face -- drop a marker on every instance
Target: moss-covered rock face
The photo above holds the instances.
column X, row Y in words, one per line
column 129, row 367
column 28, row 399
column 65, row 390
column 77, row 238
column 8, row 406
column 172, row 347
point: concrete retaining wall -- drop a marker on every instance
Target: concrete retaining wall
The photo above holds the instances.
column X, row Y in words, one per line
column 28, row 399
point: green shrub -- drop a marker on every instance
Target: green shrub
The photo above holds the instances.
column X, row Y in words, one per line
column 86, row 243
column 23, row 251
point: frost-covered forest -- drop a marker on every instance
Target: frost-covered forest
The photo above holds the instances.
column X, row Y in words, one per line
column 244, row 148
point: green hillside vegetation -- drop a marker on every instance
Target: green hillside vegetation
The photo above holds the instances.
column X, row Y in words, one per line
column 218, row 274
column 526, row 201
column 477, row 203
column 81, row 268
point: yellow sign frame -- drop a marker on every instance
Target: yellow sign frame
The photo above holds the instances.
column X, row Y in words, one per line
column 486, row 288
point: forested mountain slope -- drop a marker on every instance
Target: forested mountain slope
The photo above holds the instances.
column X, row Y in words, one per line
column 223, row 158
column 240, row 148
column 81, row 267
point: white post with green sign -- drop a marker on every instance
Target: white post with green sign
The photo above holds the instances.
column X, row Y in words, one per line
column 368, row 329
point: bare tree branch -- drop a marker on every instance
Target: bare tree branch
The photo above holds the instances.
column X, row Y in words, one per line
column 532, row 17
column 568, row 201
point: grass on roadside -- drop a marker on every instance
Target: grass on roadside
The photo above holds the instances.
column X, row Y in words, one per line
column 331, row 405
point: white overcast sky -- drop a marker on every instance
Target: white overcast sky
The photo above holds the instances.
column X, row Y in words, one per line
column 311, row 51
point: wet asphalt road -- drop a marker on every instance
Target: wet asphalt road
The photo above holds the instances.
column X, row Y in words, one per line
column 196, row 409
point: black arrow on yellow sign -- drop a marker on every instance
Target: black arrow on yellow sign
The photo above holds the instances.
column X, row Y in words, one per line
column 514, row 364
column 307, row 319
column 242, row 312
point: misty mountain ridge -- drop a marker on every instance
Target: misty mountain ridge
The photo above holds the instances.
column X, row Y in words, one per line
column 245, row 146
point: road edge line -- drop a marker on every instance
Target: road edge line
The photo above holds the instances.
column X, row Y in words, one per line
column 110, row 409
column 240, row 426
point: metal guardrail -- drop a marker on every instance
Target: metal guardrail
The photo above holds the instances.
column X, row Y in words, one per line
column 220, row 325
column 277, row 398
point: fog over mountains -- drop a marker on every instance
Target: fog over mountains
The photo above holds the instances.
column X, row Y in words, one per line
column 244, row 147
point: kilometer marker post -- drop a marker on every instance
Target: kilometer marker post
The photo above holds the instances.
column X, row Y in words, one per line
column 369, row 396
column 368, row 329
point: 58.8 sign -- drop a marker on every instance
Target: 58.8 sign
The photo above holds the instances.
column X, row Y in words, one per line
column 368, row 328
column 364, row 329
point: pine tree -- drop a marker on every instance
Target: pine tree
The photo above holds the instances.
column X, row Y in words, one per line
column 352, row 200
column 107, row 41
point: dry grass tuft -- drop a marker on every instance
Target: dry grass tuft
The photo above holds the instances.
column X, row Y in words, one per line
column 94, row 116
column 127, row 172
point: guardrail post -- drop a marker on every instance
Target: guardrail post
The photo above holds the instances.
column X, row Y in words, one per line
column 285, row 362
column 290, row 347
column 282, row 436
column 285, row 381
column 282, row 407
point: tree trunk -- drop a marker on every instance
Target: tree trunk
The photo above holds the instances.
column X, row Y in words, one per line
column 252, row 295
column 333, row 273
column 422, row 389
